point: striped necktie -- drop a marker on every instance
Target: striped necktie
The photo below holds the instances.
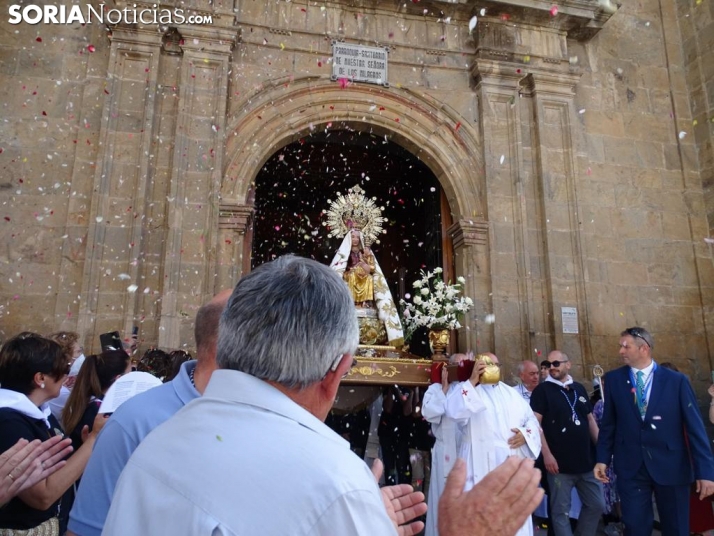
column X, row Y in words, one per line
column 641, row 403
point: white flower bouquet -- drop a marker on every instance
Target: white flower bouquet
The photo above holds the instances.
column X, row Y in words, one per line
column 435, row 304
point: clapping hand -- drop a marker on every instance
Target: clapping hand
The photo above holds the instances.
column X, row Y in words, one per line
column 499, row 504
column 402, row 503
column 27, row 463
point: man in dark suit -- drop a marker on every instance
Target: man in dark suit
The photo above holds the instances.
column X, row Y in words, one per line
column 652, row 426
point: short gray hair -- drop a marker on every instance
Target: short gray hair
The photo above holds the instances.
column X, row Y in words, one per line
column 287, row 322
column 522, row 366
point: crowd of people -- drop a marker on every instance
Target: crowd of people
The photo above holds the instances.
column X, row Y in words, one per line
column 235, row 440
column 50, row 390
column 205, row 452
column 603, row 458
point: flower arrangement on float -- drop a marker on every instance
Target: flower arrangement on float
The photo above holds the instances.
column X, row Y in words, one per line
column 436, row 306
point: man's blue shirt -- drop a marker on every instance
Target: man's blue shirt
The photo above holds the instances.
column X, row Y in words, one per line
column 126, row 428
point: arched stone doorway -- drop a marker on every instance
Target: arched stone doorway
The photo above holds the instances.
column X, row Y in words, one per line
column 295, row 186
column 282, row 113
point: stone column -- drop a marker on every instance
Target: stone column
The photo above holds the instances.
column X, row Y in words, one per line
column 190, row 264
column 526, row 91
column 233, row 223
column 497, row 84
column 111, row 271
column 471, row 259
column 555, row 147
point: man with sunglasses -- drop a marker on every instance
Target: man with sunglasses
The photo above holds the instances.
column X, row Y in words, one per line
column 652, row 430
column 569, row 434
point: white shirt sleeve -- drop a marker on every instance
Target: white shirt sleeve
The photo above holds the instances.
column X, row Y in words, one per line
column 434, row 404
column 143, row 506
column 463, row 402
column 355, row 513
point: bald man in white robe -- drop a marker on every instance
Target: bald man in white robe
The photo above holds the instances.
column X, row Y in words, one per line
column 494, row 423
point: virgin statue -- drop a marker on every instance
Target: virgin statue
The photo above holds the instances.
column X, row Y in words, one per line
column 359, row 270
column 359, row 221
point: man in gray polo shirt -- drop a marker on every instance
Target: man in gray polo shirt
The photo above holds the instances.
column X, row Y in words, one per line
column 252, row 456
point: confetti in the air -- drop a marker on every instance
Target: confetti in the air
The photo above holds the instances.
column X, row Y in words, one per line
column 472, row 23
column 682, row 134
column 490, row 318
column 607, row 6
column 553, row 11
column 132, row 288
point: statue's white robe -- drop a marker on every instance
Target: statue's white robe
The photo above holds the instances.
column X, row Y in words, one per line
column 486, row 416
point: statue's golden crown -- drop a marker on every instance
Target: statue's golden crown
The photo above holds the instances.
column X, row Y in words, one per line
column 355, row 211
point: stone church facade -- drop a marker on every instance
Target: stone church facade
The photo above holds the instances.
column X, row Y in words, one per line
column 573, row 141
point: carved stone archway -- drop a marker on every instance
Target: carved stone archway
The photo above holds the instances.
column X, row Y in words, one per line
column 282, row 112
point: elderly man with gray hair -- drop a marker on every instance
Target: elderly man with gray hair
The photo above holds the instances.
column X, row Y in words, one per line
column 252, row 456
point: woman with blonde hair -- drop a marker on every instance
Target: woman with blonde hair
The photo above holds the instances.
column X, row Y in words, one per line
column 97, row 374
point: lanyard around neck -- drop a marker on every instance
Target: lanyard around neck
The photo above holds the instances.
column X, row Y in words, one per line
column 573, row 414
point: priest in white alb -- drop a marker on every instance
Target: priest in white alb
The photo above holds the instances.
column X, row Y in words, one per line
column 444, row 452
column 494, row 422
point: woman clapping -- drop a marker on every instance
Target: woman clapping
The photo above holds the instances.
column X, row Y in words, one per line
column 32, row 370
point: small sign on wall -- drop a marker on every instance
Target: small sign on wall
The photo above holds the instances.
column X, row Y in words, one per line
column 359, row 63
column 570, row 319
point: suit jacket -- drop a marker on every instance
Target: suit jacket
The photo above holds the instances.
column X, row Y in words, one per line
column 671, row 441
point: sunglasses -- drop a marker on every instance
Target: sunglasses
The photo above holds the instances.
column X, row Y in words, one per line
column 556, row 363
column 638, row 334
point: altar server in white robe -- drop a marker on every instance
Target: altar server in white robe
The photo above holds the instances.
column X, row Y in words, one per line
column 444, row 452
column 494, row 423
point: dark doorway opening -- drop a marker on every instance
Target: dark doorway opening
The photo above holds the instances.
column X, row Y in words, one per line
column 293, row 188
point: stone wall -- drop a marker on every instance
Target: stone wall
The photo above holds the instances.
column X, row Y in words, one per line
column 128, row 155
column 696, row 24
column 641, row 210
